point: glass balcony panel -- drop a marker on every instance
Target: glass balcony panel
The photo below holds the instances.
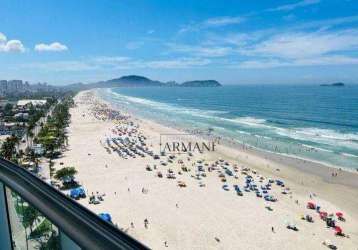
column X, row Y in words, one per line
column 29, row 228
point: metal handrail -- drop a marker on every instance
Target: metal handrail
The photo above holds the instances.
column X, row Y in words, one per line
column 84, row 227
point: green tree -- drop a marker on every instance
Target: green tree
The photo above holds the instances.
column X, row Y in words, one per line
column 30, row 215
column 8, row 109
column 8, row 148
column 65, row 172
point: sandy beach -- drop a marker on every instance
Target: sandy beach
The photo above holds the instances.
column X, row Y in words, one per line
column 202, row 215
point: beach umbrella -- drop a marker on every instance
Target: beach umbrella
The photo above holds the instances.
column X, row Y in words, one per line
column 323, row 215
column 311, row 205
column 80, row 191
column 338, row 230
column 74, row 193
column 339, row 214
column 105, row 217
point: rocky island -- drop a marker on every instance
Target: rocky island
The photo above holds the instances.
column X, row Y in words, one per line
column 336, row 84
column 205, row 83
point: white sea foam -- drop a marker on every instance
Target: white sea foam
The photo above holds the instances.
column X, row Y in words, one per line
column 328, row 134
column 316, row 148
column 250, row 121
column 243, row 132
column 322, row 136
column 349, row 155
column 169, row 107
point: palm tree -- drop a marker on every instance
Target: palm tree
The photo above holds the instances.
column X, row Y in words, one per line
column 34, row 158
column 30, row 215
column 8, row 148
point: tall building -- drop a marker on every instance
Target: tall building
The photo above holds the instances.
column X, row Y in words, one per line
column 3, row 86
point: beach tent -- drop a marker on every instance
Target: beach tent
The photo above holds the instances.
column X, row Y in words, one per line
column 81, row 192
column 74, row 193
column 77, row 193
column 105, row 217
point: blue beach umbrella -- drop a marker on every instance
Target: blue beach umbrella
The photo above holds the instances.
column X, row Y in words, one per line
column 106, row 217
column 74, row 193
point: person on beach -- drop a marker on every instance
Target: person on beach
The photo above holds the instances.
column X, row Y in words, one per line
column 273, row 229
column 146, row 223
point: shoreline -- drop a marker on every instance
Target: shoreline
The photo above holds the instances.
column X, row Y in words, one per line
column 239, row 144
column 318, row 168
column 300, row 167
column 177, row 215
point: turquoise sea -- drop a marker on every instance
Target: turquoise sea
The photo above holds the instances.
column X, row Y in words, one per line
column 313, row 122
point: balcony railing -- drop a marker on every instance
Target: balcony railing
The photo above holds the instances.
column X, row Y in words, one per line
column 24, row 196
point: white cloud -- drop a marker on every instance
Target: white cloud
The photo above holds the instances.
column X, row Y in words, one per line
column 179, row 63
column 327, row 22
column 10, row 45
column 222, row 21
column 305, row 44
column 134, row 45
column 229, row 40
column 328, row 60
column 205, row 51
column 293, row 6
column 260, row 64
column 117, row 63
column 61, row 66
column 302, row 49
column 55, row 47
column 213, row 22
column 2, row 38
column 110, row 60
column 314, row 61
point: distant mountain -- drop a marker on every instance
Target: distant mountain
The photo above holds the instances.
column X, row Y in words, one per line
column 134, row 80
column 141, row 81
column 203, row 83
column 75, row 86
column 127, row 81
column 336, row 84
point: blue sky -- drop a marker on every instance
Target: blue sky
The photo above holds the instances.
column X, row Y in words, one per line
column 235, row 42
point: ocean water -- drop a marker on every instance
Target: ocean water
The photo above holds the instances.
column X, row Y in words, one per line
column 317, row 123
